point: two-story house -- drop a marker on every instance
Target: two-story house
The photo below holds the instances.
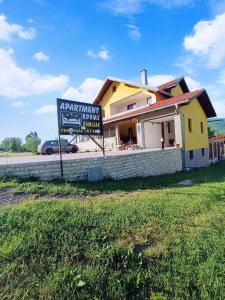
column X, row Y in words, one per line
column 144, row 116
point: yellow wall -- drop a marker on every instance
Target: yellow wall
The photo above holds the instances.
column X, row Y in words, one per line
column 177, row 91
column 122, row 91
column 195, row 139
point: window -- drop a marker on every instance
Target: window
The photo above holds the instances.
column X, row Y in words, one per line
column 191, row 154
column 190, row 125
column 203, row 151
column 168, row 125
column 215, row 149
column 210, row 151
column 131, row 106
column 149, row 100
column 103, row 113
column 202, row 127
column 222, row 148
column 114, row 88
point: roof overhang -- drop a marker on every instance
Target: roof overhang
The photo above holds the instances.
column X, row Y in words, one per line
column 109, row 80
column 206, row 104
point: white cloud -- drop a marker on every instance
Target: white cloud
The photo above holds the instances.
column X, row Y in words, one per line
column 130, row 7
column 159, row 79
column 85, row 92
column 192, row 84
column 186, row 63
column 217, row 6
column 216, row 94
column 134, row 32
column 222, row 79
column 7, row 31
column 18, row 104
column 46, row 109
column 40, row 56
column 102, row 54
column 17, row 82
column 208, row 41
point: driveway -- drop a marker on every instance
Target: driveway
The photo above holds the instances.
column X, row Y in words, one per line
column 54, row 157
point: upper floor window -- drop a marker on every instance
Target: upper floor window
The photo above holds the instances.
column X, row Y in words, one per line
column 114, row 88
column 150, row 101
column 131, row 106
column 103, row 113
column 190, row 125
column 202, row 127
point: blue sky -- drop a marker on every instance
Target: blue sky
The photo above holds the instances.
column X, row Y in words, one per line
column 51, row 49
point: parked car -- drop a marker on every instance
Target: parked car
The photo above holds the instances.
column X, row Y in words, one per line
column 50, row 147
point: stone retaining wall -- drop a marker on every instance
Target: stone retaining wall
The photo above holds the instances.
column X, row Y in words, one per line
column 139, row 164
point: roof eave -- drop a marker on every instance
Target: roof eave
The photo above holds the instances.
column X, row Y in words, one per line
column 152, row 110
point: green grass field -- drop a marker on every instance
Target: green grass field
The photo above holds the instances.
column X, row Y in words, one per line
column 15, row 154
column 145, row 239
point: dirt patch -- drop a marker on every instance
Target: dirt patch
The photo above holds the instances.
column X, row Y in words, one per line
column 7, row 197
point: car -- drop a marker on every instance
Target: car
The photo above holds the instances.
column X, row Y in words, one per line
column 50, row 147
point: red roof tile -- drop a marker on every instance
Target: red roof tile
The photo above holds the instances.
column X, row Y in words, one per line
column 170, row 83
column 155, row 106
column 213, row 138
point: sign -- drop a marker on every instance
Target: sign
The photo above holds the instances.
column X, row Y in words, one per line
column 79, row 118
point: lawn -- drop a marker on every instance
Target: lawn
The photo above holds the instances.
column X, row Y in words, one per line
column 15, row 154
column 145, row 239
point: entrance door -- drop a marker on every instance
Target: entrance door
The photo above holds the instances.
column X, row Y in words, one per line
column 130, row 134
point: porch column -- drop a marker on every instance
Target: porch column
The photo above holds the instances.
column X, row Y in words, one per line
column 140, row 134
column 178, row 130
column 117, row 134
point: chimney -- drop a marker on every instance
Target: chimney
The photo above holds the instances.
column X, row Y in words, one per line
column 144, row 77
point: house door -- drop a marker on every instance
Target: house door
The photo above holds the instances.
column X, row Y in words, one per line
column 130, row 134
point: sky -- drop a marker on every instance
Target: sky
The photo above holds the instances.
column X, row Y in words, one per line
column 66, row 49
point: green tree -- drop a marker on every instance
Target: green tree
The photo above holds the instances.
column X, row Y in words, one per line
column 32, row 141
column 211, row 132
column 11, row 144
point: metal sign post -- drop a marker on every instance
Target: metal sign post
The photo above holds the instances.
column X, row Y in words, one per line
column 79, row 118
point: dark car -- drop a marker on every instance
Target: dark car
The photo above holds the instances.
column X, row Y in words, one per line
column 50, row 147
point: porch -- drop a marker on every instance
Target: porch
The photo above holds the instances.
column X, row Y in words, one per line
column 144, row 133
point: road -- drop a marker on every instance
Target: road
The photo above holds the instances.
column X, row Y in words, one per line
column 54, row 157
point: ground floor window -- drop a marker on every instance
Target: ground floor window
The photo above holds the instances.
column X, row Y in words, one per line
column 191, row 154
column 109, row 132
column 215, row 150
column 203, row 151
column 210, row 151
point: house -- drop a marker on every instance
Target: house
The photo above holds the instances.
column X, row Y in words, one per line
column 216, row 148
column 140, row 116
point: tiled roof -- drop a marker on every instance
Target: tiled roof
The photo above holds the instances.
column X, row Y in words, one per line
column 170, row 83
column 155, row 106
column 217, row 138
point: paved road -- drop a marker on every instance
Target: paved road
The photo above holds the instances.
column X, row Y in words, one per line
column 79, row 155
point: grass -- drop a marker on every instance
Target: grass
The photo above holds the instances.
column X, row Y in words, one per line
column 148, row 239
column 15, row 154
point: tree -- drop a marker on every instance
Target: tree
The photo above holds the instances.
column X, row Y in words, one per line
column 211, row 132
column 32, row 141
column 11, row 144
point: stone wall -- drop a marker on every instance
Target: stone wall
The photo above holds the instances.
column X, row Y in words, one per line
column 139, row 164
column 199, row 160
column 110, row 144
